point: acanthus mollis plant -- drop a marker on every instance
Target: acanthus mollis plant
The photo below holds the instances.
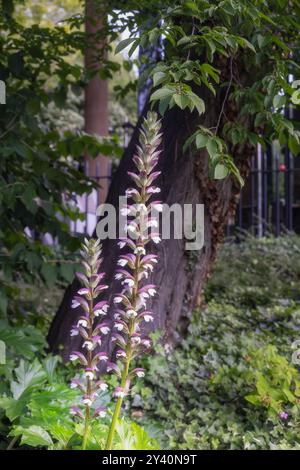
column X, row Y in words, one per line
column 92, row 288
column 136, row 264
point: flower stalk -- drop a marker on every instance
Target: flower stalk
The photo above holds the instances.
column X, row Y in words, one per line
column 137, row 264
column 91, row 289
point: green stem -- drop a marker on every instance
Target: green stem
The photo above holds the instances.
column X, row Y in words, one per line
column 125, row 370
column 89, row 383
column 117, row 409
column 12, row 443
column 86, row 427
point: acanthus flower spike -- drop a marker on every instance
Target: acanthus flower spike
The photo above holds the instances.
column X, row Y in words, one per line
column 137, row 264
column 92, row 286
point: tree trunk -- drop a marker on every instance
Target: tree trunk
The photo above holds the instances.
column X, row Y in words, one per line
column 180, row 274
column 96, row 102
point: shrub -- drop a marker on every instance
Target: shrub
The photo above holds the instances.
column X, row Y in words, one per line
column 230, row 383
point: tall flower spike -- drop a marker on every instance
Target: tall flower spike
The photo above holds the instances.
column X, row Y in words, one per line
column 137, row 264
column 92, row 287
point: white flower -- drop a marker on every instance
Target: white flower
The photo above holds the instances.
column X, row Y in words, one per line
column 118, row 300
column 144, row 295
column 130, row 191
column 131, row 228
column 88, row 345
column 140, row 250
column 89, row 374
column 153, row 190
column 136, row 339
column 129, row 282
column 102, row 414
column 148, row 318
column 118, row 276
column 121, row 244
column 75, row 304
column 73, row 357
column 142, row 208
column 125, row 211
column 131, row 313
column 148, row 266
column 103, row 386
column 74, row 332
column 119, row 326
column 101, row 311
column 83, row 323
column 104, row 330
column 87, row 401
column 140, row 373
column 122, row 262
column 152, row 292
column 156, row 239
column 121, row 354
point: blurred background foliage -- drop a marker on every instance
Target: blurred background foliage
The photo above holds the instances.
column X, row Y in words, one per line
column 43, row 142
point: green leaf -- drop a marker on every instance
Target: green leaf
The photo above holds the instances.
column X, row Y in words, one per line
column 181, row 100
column 33, row 436
column 158, row 78
column 163, row 105
column 28, row 199
column 295, row 98
column 49, row 274
column 294, row 145
column 123, row 44
column 220, row 171
column 201, row 140
column 162, row 93
column 2, row 352
column 198, row 102
column 3, row 302
column 212, row 148
column 253, row 399
column 279, row 101
column 67, row 271
column 28, row 375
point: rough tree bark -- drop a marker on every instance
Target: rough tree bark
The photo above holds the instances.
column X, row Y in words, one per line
column 180, row 275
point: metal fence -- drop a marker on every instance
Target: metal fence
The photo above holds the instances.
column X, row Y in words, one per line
column 269, row 202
